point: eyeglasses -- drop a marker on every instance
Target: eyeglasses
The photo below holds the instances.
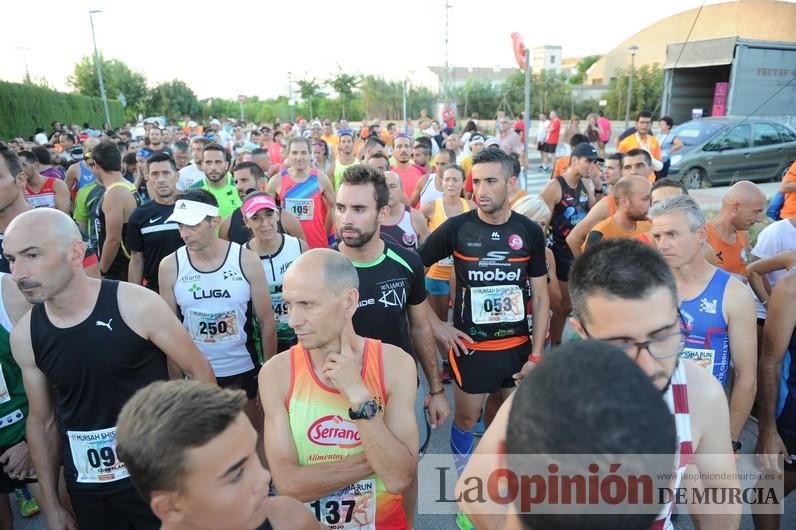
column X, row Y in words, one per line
column 661, row 347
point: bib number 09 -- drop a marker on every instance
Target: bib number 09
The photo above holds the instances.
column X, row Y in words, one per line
column 105, row 457
column 332, row 508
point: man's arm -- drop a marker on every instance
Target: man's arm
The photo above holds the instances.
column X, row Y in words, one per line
column 551, row 194
column 415, row 196
column 149, row 316
column 788, row 186
column 741, row 315
column 577, row 237
column 710, row 423
column 305, row 483
column 42, row 432
column 272, row 188
column 223, row 229
column 757, row 270
column 327, row 189
column 62, row 200
column 391, row 443
column 291, row 225
column 261, row 301
column 419, row 224
column 135, row 269
column 426, row 348
column 541, row 310
column 72, row 174
column 780, row 323
column 113, row 208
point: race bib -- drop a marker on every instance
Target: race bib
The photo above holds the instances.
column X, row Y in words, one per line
column 495, row 304
column 446, row 261
column 213, row 328
column 5, row 395
column 94, row 456
column 348, row 508
column 303, row 209
column 701, row 357
column 279, row 307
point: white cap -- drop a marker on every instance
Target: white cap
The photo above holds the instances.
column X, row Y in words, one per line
column 192, row 213
column 214, row 121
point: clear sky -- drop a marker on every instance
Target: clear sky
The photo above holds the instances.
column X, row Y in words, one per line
column 222, row 49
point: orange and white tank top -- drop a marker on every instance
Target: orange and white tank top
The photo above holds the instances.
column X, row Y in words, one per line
column 322, row 432
column 441, row 270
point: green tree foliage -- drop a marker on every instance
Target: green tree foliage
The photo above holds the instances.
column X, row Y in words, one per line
column 584, row 64
column 118, row 79
column 173, row 100
column 25, row 107
column 647, row 92
column 344, row 84
column 310, row 91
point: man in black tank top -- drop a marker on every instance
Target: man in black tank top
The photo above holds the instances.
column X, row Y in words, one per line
column 86, row 346
column 250, row 177
column 206, row 425
column 569, row 197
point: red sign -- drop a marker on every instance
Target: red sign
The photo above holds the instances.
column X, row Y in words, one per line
column 519, row 49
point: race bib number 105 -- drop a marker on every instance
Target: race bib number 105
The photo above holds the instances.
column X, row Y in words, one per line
column 94, row 456
column 303, row 209
column 496, row 304
column 350, row 508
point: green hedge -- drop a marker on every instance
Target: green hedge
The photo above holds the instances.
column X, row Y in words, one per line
column 23, row 108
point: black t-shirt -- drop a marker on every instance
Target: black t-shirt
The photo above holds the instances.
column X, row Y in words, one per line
column 118, row 268
column 493, row 265
column 4, row 265
column 148, row 232
column 387, row 286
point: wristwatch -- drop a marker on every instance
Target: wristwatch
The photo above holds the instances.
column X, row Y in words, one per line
column 366, row 411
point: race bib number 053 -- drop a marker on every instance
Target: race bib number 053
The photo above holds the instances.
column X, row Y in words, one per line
column 348, row 508
column 303, row 209
column 94, row 456
column 213, row 328
column 496, row 304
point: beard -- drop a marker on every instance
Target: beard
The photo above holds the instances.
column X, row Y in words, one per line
column 361, row 238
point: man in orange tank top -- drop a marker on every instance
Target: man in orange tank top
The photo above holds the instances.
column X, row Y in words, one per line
column 341, row 434
column 742, row 206
column 632, row 195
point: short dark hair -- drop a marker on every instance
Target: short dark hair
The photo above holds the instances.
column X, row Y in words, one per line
column 594, row 387
column 639, row 152
column 517, row 167
column 620, row 268
column 374, row 140
column 211, row 146
column 42, row 154
column 182, row 146
column 423, row 147
column 362, row 175
column 299, row 139
column 644, row 114
column 106, row 155
column 499, row 156
column 379, row 155
column 29, row 156
column 199, row 195
column 259, row 151
column 616, row 156
column 200, row 140
column 669, row 183
column 668, row 120
column 166, row 419
column 69, row 135
column 578, row 139
column 12, row 160
column 256, row 171
column 161, row 157
column 456, row 167
column 449, row 152
column 130, row 158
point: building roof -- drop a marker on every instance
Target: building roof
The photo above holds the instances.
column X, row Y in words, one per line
column 480, row 73
column 769, row 20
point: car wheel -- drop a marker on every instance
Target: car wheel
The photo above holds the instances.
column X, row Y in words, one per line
column 695, row 179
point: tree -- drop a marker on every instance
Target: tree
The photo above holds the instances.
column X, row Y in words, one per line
column 647, row 92
column 173, row 100
column 345, row 85
column 584, row 64
column 309, row 90
column 118, row 79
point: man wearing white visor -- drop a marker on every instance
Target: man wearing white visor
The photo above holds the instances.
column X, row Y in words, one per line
column 213, row 285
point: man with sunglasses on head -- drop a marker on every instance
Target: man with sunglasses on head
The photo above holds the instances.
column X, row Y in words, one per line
column 718, row 310
column 625, row 294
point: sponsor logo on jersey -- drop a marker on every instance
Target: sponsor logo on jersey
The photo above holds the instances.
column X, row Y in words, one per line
column 409, row 239
column 203, row 294
column 393, row 293
column 369, row 301
column 333, row 430
column 708, row 306
column 495, row 275
column 232, row 275
column 190, row 278
column 495, row 255
column 515, row 242
column 495, row 236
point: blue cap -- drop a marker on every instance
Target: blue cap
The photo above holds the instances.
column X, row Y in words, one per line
column 143, row 153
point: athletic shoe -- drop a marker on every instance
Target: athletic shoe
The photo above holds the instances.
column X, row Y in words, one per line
column 28, row 507
column 463, row 522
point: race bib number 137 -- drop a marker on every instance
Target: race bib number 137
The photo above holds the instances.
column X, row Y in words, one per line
column 350, row 508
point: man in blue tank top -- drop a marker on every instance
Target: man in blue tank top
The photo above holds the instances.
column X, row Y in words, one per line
column 718, row 311
column 84, row 349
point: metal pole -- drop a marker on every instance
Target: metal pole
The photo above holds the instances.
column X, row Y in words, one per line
column 241, row 112
column 99, row 69
column 527, row 105
column 406, row 123
column 630, row 84
column 290, row 96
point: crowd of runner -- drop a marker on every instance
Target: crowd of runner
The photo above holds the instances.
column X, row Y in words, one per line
column 221, row 326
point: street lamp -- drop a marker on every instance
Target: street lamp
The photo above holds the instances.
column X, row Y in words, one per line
column 99, row 67
column 633, row 50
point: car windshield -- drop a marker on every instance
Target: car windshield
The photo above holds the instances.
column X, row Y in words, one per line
column 697, row 131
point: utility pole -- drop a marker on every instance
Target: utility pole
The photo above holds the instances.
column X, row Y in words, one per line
column 99, row 68
column 633, row 50
column 290, row 95
column 446, row 82
column 25, row 50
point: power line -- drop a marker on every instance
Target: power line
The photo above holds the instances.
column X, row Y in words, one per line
column 682, row 49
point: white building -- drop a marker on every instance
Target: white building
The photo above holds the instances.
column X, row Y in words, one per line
column 546, row 58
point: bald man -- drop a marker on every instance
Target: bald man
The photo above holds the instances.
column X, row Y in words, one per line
column 340, row 429
column 632, row 197
column 741, row 207
column 84, row 349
